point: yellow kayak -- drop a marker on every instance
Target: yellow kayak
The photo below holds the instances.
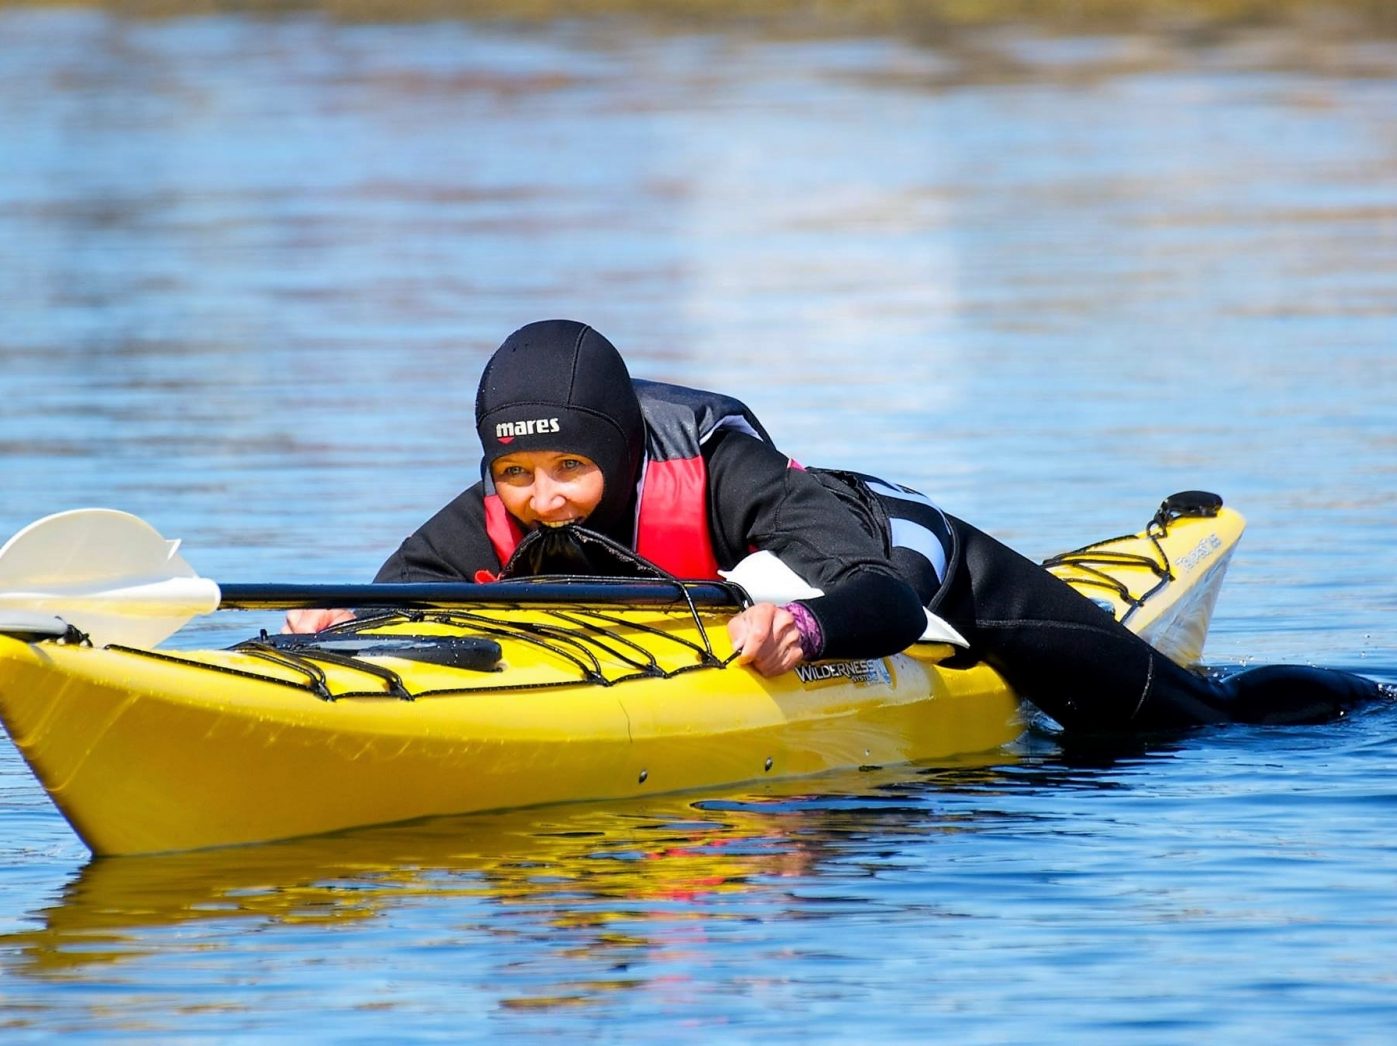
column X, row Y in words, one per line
column 486, row 706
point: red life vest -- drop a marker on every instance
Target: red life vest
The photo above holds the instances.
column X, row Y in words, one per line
column 671, row 528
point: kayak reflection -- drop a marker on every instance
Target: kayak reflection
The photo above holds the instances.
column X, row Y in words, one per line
column 585, row 869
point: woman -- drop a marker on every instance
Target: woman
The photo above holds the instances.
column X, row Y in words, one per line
column 691, row 481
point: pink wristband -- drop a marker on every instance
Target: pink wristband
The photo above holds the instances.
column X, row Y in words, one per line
column 812, row 637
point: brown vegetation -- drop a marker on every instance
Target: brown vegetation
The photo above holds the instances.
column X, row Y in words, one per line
column 916, row 17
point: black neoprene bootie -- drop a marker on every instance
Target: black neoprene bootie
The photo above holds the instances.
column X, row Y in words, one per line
column 1294, row 694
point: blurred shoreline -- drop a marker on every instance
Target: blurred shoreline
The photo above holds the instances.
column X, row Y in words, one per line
column 926, row 19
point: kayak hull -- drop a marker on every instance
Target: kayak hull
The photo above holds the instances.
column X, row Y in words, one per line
column 139, row 762
column 154, row 751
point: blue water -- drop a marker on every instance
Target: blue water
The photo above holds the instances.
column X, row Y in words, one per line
column 252, row 265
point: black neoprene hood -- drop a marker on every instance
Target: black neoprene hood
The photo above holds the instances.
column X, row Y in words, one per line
column 560, row 385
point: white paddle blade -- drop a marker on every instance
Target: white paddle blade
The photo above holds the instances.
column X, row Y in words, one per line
column 109, row 573
column 768, row 580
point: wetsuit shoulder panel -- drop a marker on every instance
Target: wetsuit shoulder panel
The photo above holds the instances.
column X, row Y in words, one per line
column 451, row 546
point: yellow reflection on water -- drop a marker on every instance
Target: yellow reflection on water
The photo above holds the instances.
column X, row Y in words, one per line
column 622, row 879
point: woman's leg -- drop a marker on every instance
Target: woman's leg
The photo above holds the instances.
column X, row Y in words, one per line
column 1075, row 662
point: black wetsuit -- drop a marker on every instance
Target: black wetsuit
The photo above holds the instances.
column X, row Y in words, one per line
column 1055, row 647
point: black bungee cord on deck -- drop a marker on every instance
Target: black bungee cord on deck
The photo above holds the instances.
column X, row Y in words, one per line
column 555, row 556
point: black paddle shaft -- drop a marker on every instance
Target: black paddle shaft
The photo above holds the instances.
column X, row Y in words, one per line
column 443, row 595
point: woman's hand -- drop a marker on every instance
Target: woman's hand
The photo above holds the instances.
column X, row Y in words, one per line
column 314, row 620
column 767, row 638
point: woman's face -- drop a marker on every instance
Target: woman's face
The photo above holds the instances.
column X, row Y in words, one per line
column 547, row 487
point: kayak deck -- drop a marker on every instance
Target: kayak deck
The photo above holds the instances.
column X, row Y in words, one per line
column 150, row 751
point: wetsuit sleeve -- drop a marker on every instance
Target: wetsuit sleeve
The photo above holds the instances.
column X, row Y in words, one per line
column 451, row 546
column 757, row 501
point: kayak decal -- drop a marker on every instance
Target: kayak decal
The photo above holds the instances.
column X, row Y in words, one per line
column 862, row 672
column 1200, row 552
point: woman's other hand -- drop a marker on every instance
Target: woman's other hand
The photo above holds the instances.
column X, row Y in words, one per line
column 314, row 620
column 766, row 637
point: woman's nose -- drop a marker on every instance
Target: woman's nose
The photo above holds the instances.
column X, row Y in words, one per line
column 547, row 493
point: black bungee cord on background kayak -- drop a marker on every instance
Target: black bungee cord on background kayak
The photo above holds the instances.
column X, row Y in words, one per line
column 1086, row 561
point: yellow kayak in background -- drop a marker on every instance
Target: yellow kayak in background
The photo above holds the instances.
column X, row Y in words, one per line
column 486, row 706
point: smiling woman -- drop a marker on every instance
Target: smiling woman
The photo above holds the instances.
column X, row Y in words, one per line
column 688, row 479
